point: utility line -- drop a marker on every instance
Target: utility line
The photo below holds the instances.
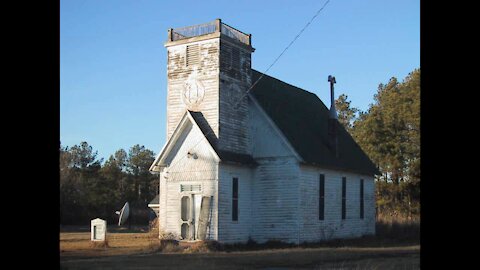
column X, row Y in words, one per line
column 284, row 50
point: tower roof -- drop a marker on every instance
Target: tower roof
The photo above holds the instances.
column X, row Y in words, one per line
column 213, row 29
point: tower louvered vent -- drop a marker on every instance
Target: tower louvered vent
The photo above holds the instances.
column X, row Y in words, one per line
column 193, row 55
column 226, row 58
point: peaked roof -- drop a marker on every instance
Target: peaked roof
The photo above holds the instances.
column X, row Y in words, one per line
column 303, row 119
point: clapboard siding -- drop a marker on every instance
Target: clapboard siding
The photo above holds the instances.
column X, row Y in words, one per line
column 233, row 120
column 162, row 200
column 207, row 71
column 276, row 199
column 268, row 193
column 235, row 79
column 275, row 190
column 185, row 170
column 313, row 229
column 234, row 231
column 183, row 167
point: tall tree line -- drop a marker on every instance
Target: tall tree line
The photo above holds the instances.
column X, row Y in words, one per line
column 91, row 188
column 389, row 132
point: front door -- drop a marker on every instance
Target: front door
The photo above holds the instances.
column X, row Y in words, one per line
column 190, row 215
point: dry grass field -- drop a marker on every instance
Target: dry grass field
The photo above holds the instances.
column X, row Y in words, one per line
column 77, row 244
column 138, row 249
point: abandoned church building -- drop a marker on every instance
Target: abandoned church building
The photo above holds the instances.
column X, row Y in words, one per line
column 266, row 163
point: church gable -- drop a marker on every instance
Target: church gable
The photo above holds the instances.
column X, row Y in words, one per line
column 187, row 150
column 192, row 157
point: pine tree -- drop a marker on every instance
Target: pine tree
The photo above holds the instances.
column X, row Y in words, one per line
column 346, row 113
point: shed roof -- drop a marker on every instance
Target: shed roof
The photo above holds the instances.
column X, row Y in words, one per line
column 303, row 119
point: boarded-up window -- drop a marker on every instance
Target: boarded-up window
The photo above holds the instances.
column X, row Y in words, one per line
column 204, row 219
column 321, row 198
column 344, row 197
column 193, row 55
column 235, row 199
column 361, row 198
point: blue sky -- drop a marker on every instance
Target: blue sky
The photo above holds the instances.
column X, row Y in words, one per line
column 113, row 62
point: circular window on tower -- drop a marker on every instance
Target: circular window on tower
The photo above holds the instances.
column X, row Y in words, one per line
column 193, row 94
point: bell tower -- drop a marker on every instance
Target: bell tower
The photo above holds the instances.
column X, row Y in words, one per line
column 209, row 71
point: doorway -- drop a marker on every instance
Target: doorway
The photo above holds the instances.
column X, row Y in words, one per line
column 195, row 216
column 190, row 215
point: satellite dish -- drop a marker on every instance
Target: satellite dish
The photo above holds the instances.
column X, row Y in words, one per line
column 124, row 212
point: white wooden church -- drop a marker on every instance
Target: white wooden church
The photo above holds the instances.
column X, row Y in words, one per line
column 266, row 163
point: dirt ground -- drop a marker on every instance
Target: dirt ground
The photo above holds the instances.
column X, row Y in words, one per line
column 129, row 250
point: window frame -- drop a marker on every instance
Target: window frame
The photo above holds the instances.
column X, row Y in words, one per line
column 321, row 197
column 344, row 198
column 235, row 208
column 362, row 199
